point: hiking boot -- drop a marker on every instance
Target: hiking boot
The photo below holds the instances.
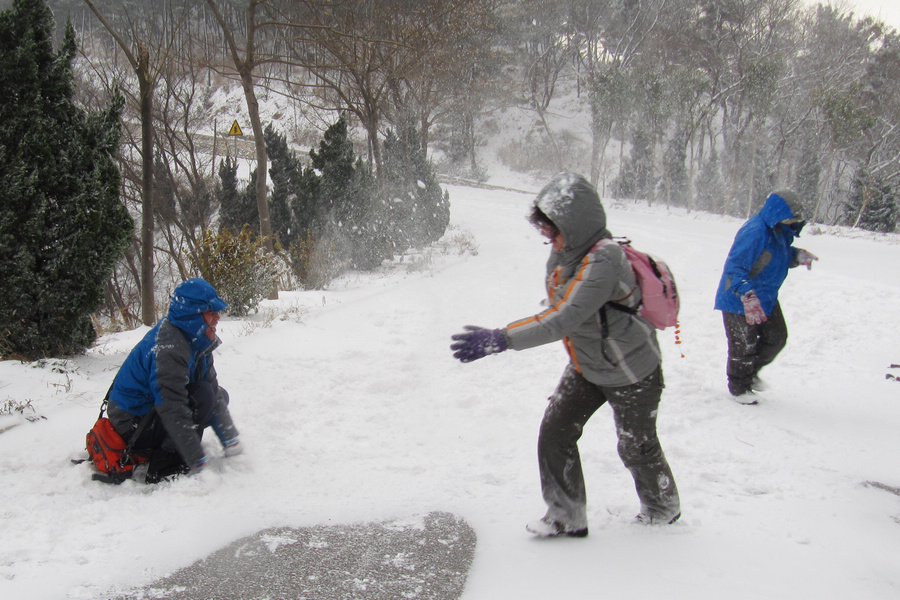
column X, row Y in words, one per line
column 139, row 473
column 748, row 398
column 645, row 519
column 758, row 385
column 233, row 447
column 550, row 528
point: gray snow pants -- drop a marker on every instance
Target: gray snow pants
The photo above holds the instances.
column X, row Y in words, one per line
column 634, row 409
column 751, row 347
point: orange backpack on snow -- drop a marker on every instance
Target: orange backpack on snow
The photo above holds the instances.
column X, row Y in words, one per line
column 111, row 456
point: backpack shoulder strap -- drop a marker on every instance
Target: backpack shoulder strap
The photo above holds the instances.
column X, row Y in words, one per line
column 615, row 304
column 105, row 402
column 126, row 454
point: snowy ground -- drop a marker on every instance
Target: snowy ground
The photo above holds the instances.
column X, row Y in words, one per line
column 352, row 410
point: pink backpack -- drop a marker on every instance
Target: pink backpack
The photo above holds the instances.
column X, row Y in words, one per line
column 659, row 303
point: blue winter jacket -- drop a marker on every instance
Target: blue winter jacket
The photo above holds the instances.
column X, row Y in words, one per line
column 759, row 258
column 172, row 355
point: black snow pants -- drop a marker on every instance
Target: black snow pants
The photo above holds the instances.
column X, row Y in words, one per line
column 208, row 409
column 202, row 401
column 634, row 409
column 751, row 347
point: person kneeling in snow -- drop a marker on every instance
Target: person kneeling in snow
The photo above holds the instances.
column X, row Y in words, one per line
column 614, row 355
column 756, row 266
column 171, row 371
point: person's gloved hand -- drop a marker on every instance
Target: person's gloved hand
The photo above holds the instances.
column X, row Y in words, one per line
column 805, row 257
column 753, row 310
column 477, row 342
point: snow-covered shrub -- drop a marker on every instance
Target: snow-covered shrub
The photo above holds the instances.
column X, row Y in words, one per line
column 314, row 262
column 239, row 268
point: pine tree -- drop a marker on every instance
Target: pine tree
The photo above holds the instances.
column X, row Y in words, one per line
column 345, row 203
column 635, row 181
column 335, row 161
column 872, row 204
column 808, row 173
column 420, row 208
column 710, row 187
column 236, row 208
column 305, row 203
column 284, row 169
column 675, row 183
column 62, row 224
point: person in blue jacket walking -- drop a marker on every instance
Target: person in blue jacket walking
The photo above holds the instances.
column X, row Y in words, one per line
column 171, row 372
column 756, row 267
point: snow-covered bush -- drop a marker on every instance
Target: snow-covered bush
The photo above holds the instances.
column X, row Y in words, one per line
column 239, row 268
column 314, row 262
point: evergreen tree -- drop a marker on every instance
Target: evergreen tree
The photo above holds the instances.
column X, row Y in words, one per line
column 808, row 173
column 710, row 186
column 674, row 185
column 764, row 182
column 420, row 209
column 306, row 203
column 345, row 203
column 62, row 224
column 284, row 170
column 164, row 202
column 236, row 208
column 335, row 161
column 635, row 179
column 872, row 204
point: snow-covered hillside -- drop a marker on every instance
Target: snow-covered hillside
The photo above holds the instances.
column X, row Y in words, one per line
column 352, row 410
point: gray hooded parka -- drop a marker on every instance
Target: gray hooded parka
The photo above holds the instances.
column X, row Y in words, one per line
column 581, row 279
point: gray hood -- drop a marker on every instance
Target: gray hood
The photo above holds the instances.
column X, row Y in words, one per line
column 572, row 203
column 615, row 349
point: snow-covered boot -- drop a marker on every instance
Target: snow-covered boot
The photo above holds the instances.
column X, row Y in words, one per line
column 645, row 519
column 233, row 447
column 747, row 398
column 549, row 528
column 758, row 384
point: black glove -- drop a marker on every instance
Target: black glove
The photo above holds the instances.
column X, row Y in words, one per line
column 477, row 342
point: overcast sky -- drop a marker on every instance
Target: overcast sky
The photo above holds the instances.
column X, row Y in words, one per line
column 885, row 10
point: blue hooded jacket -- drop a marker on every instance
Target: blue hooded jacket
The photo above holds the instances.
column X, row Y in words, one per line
column 171, row 356
column 136, row 387
column 759, row 258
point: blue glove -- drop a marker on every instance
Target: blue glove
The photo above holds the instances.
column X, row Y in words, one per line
column 477, row 342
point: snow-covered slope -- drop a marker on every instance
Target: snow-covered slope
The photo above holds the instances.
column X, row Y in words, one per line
column 352, row 409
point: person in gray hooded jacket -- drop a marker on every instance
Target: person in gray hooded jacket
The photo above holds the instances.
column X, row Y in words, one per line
column 614, row 357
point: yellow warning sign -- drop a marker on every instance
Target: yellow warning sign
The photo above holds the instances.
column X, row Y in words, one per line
column 235, row 129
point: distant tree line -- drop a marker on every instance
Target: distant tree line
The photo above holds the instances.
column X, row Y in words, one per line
column 704, row 104
column 710, row 104
column 379, row 68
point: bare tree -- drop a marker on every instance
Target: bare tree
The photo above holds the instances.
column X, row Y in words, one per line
column 449, row 54
column 614, row 43
column 137, row 51
column 246, row 58
column 360, row 50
